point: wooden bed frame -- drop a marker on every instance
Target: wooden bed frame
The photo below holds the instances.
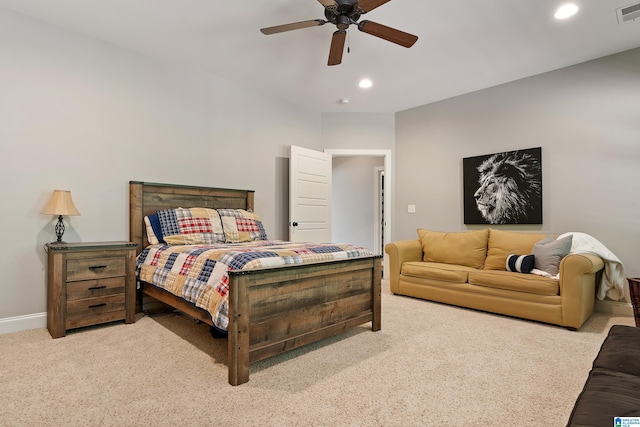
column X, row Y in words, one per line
column 271, row 310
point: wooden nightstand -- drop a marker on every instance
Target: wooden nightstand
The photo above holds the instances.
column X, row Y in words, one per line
column 89, row 283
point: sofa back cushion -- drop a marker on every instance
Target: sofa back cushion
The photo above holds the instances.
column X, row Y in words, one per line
column 503, row 243
column 468, row 248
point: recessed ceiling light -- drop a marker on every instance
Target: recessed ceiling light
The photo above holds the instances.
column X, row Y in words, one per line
column 566, row 11
column 365, row 83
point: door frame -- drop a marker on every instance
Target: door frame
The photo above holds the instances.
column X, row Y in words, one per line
column 378, row 176
column 388, row 181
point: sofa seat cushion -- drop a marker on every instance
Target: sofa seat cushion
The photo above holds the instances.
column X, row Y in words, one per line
column 620, row 351
column 436, row 271
column 467, row 248
column 503, row 243
column 606, row 394
column 463, row 294
column 530, row 283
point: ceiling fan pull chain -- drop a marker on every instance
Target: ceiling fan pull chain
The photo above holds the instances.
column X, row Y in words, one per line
column 348, row 42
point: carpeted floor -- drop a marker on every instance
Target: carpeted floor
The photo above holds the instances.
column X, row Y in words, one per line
column 431, row 365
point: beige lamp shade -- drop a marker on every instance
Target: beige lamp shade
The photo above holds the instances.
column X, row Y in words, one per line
column 60, row 204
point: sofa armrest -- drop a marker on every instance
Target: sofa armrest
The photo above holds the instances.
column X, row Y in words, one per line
column 578, row 287
column 400, row 252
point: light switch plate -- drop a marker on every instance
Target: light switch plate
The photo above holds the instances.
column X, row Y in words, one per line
column 411, row 209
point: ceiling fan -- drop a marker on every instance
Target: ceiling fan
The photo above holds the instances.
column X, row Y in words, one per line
column 343, row 13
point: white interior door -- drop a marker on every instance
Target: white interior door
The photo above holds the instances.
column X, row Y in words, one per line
column 309, row 196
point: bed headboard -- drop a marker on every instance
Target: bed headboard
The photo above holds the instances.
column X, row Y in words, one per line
column 145, row 198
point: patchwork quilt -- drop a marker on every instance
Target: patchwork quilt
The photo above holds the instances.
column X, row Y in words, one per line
column 200, row 273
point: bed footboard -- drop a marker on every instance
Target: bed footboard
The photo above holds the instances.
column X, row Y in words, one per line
column 275, row 310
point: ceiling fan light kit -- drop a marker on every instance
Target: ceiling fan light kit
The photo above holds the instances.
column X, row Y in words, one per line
column 342, row 14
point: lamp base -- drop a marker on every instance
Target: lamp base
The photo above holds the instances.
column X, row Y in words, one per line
column 59, row 229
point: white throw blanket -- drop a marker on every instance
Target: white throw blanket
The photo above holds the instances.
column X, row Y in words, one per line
column 612, row 283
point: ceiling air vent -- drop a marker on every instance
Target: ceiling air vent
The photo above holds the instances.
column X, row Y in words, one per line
column 628, row 13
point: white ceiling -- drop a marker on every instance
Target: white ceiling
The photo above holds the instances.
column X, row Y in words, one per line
column 463, row 46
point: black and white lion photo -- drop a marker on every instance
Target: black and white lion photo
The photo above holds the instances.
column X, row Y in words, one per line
column 503, row 188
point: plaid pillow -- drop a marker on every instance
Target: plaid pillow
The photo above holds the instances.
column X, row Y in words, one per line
column 241, row 226
column 193, row 226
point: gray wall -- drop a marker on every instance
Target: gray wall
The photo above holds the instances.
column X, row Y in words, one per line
column 586, row 118
column 371, row 131
column 86, row 116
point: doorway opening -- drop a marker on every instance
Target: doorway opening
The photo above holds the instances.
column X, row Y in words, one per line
column 383, row 195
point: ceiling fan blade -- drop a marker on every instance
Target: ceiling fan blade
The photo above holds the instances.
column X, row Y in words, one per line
column 387, row 33
column 331, row 4
column 293, row 26
column 337, row 47
column 368, row 5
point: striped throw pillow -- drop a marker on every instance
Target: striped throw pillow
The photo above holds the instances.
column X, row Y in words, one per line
column 520, row 263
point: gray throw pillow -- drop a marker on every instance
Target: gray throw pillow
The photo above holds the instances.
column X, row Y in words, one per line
column 548, row 253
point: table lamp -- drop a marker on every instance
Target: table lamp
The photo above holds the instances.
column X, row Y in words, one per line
column 60, row 204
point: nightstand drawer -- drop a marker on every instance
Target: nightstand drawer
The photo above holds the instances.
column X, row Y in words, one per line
column 95, row 306
column 95, row 288
column 111, row 316
column 86, row 269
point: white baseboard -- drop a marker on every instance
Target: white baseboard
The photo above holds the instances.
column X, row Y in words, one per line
column 39, row 320
column 22, row 323
column 615, row 308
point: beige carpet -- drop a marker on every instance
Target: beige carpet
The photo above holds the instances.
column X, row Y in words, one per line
column 431, row 365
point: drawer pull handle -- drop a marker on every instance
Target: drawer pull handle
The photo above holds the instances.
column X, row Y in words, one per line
column 98, row 305
column 95, row 288
column 97, row 267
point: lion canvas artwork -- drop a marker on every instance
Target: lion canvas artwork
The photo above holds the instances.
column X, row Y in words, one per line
column 503, row 188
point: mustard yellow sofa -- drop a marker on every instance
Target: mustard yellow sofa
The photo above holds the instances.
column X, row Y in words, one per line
column 469, row 269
